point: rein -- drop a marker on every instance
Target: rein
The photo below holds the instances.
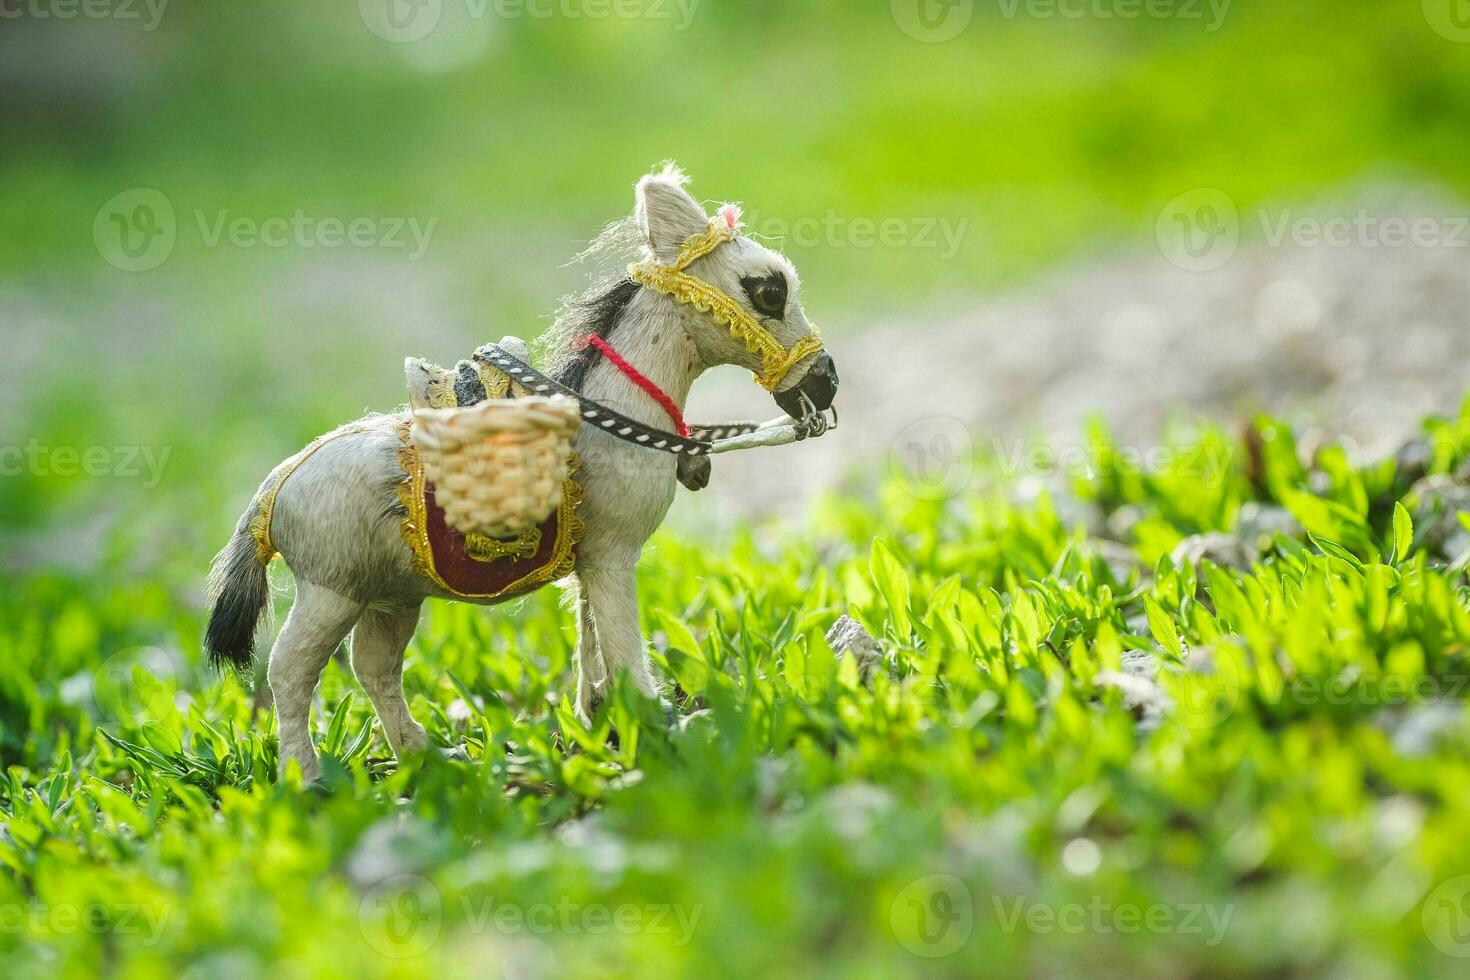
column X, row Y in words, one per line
column 596, row 414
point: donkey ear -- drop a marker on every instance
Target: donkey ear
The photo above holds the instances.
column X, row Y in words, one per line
column 666, row 213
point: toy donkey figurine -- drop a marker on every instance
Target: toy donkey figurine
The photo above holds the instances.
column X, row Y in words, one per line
column 356, row 517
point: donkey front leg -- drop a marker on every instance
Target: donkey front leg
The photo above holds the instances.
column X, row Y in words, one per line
column 611, row 637
column 318, row 621
column 378, row 643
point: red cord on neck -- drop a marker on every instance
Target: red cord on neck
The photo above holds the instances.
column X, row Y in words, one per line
column 641, row 380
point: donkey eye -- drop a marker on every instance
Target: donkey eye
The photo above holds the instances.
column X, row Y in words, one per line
column 767, row 294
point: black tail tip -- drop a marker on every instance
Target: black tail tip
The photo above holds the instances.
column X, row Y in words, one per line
column 229, row 639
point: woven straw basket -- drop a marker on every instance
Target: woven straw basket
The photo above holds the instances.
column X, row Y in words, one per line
column 498, row 466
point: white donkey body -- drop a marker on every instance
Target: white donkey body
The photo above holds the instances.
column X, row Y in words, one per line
column 336, row 520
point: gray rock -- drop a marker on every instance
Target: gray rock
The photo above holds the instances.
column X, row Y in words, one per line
column 1438, row 502
column 1141, row 695
column 1258, row 524
column 848, row 636
column 393, row 846
column 1224, row 550
column 1416, row 730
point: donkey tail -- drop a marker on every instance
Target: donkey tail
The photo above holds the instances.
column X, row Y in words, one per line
column 239, row 594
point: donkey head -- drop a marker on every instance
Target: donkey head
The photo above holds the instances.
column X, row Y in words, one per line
column 738, row 300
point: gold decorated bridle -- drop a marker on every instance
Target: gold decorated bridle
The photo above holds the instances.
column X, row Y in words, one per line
column 673, row 281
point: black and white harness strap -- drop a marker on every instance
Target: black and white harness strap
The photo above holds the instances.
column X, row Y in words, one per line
column 613, row 423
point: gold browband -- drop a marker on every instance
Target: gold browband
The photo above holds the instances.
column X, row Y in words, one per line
column 672, row 280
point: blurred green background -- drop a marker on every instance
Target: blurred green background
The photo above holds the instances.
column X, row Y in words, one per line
column 1038, row 139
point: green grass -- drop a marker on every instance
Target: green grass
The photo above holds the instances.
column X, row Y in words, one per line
column 1261, row 811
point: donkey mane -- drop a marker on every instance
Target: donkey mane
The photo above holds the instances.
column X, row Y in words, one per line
column 595, row 311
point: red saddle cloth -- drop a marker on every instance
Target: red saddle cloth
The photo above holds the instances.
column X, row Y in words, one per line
column 443, row 555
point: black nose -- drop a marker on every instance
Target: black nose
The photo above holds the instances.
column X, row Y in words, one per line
column 819, row 385
column 820, row 382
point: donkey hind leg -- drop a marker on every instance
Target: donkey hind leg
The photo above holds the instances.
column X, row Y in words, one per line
column 378, row 643
column 318, row 621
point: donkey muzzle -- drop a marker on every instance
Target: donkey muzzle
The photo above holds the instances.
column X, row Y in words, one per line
column 815, row 390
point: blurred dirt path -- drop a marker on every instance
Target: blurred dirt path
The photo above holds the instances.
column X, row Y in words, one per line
column 1364, row 339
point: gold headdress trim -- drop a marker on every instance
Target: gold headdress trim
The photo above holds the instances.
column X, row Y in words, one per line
column 672, row 280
